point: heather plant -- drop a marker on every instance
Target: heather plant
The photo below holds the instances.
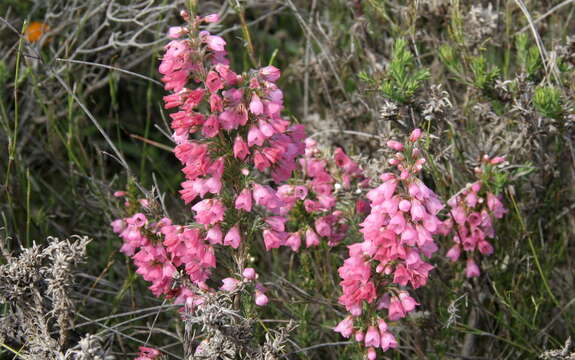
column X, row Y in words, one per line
column 402, row 188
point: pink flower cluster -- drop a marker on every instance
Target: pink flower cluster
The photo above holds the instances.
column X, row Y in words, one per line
column 398, row 236
column 240, row 127
column 308, row 204
column 225, row 124
column 161, row 250
column 473, row 216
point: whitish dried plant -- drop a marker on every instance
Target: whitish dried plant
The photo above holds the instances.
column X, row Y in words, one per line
column 561, row 354
column 223, row 333
column 35, row 286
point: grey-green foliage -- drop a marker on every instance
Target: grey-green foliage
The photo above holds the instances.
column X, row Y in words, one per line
column 547, row 100
column 403, row 78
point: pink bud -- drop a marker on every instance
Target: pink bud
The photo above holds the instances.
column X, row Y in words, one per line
column 381, row 325
column 120, row 194
column 453, row 253
column 404, row 205
column 212, row 18
column 371, row 354
column 249, row 273
column 261, row 298
column 395, row 145
column 415, row 135
column 176, row 31
column 270, row 73
column 497, row 160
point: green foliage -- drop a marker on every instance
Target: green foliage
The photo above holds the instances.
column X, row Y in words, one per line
column 402, row 78
column 547, row 100
column 451, row 60
column 483, row 76
column 528, row 57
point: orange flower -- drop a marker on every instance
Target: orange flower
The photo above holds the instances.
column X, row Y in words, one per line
column 35, row 31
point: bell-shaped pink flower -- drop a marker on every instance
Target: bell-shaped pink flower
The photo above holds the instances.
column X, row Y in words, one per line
column 472, row 270
column 388, row 341
column 233, row 237
column 249, row 273
column 372, row 337
column 255, row 137
column 311, row 238
column 261, row 298
column 229, row 284
column 241, row 149
column 244, row 200
column 256, row 105
column 345, row 327
column 454, row 253
column 270, row 73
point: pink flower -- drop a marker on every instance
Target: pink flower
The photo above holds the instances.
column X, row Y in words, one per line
column 496, row 206
column 396, row 310
column 212, row 18
column 277, row 223
column 372, row 337
column 256, row 105
column 214, row 82
column 270, row 73
column 453, row 253
column 261, row 298
column 176, row 31
column 249, row 273
column 215, row 43
column 273, row 239
column 244, row 200
column 215, row 235
column 415, row 135
column 371, row 354
column 211, row 127
column 147, row 353
column 497, row 160
column 345, row 327
column 485, row 247
column 407, row 301
column 255, row 137
column 395, row 145
column 388, row 341
column 233, row 237
column 241, row 149
column 209, row 211
column 472, row 270
column 229, row 284
column 294, row 241
column 311, row 238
